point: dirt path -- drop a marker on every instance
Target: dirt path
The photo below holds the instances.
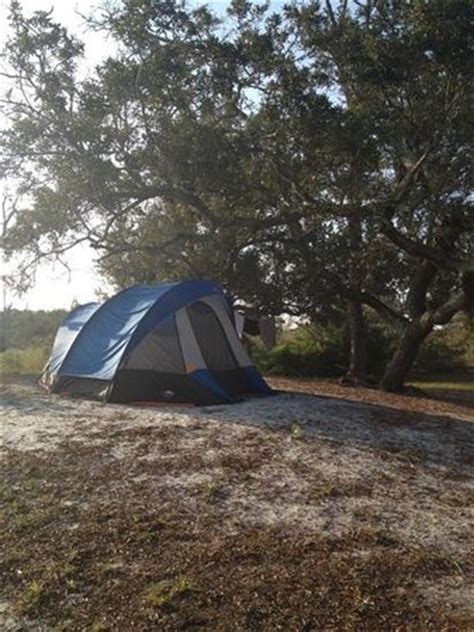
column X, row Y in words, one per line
column 296, row 512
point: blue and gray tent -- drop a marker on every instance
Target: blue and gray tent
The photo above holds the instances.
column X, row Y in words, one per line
column 168, row 342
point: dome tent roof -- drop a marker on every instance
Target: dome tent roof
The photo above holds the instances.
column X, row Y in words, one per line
column 147, row 342
column 121, row 322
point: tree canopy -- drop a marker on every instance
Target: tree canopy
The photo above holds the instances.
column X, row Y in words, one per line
column 315, row 160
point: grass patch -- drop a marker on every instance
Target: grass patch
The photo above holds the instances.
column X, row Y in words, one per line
column 214, row 492
column 29, row 360
column 162, row 593
column 34, row 519
column 30, row 597
column 296, row 431
column 461, row 387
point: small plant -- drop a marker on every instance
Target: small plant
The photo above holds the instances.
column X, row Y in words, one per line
column 63, row 626
column 214, row 492
column 30, row 597
column 33, row 485
column 164, row 592
column 296, row 431
column 98, row 626
column 34, row 519
column 68, row 572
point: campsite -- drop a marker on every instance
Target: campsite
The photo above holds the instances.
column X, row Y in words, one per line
column 322, row 509
column 237, row 316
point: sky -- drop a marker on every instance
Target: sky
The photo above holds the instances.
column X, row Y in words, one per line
column 55, row 286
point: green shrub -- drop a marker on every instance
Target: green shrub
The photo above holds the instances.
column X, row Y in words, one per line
column 448, row 347
column 436, row 355
column 29, row 360
column 307, row 351
column 21, row 329
column 320, row 351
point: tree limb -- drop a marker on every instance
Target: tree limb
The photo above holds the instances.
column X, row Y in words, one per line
column 180, row 195
column 450, row 308
column 330, row 11
column 419, row 249
column 387, row 313
column 403, row 186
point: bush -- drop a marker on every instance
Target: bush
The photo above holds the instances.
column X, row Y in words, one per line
column 21, row 329
column 439, row 354
column 323, row 351
column 320, row 351
column 26, row 339
column 448, row 348
column 308, row 351
column 29, row 360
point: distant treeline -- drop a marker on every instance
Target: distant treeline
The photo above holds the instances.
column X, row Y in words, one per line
column 21, row 329
column 306, row 351
column 324, row 351
column 26, row 339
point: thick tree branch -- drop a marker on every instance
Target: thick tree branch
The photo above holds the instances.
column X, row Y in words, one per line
column 450, row 308
column 421, row 250
column 403, row 186
column 149, row 248
column 387, row 313
column 182, row 196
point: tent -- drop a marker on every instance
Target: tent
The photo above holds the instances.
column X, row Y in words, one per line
column 170, row 342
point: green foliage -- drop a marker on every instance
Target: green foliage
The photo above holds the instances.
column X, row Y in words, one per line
column 304, row 352
column 437, row 356
column 448, row 348
column 301, row 158
column 322, row 351
column 22, row 329
column 161, row 594
column 319, row 351
column 29, row 360
column 27, row 337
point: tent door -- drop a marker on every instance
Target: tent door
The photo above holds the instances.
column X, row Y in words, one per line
column 215, row 348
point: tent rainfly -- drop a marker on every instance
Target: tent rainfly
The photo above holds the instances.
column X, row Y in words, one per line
column 169, row 342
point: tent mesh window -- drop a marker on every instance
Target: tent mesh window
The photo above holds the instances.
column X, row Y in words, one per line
column 81, row 387
column 211, row 338
column 159, row 351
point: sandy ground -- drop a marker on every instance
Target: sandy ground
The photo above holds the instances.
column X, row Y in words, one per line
column 298, row 462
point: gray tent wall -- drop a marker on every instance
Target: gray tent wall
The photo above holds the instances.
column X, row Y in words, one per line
column 190, row 353
column 198, row 337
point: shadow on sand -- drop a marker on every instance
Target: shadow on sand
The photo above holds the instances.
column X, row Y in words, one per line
column 441, row 439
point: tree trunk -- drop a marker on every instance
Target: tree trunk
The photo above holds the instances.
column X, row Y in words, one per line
column 354, row 309
column 402, row 361
column 358, row 339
